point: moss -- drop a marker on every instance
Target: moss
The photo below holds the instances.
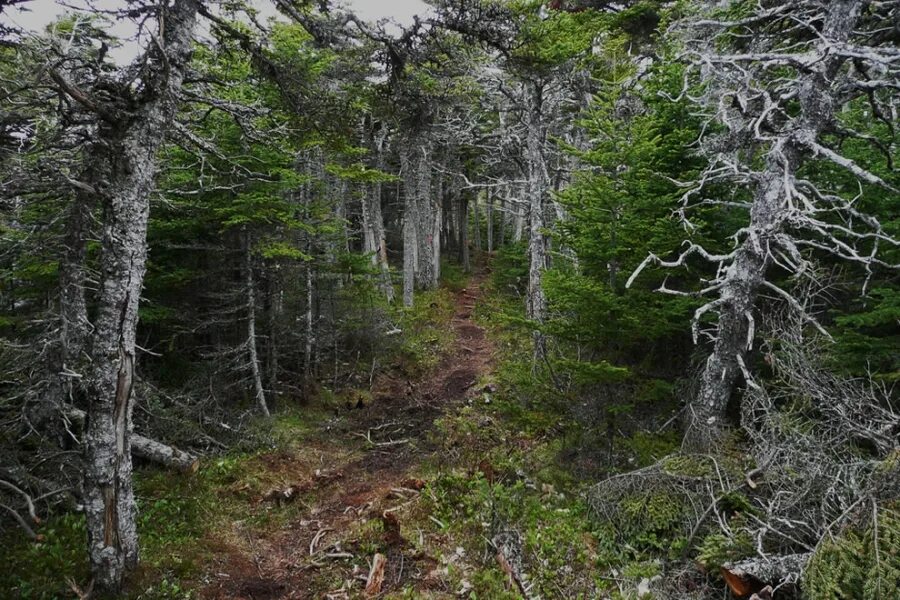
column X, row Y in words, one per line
column 648, row 448
column 651, row 520
column 718, row 549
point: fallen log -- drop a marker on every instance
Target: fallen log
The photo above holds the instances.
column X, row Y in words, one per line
column 148, row 449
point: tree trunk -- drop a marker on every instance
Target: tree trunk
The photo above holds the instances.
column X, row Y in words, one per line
column 463, row 214
column 490, row 221
column 476, row 222
column 276, row 308
column 252, row 353
column 377, row 222
column 518, row 215
column 435, row 204
column 706, row 420
column 129, row 151
column 410, row 224
column 535, row 300
column 423, row 211
column 501, row 234
column 127, row 154
column 309, row 327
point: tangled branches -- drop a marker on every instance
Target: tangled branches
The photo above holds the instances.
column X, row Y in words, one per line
column 821, row 458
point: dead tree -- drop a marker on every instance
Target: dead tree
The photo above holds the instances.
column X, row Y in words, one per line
column 250, row 294
column 775, row 88
column 374, row 238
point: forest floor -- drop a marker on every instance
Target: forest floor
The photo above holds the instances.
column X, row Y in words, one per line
column 464, row 487
column 358, row 482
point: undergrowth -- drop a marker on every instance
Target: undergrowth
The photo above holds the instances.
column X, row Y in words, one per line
column 184, row 520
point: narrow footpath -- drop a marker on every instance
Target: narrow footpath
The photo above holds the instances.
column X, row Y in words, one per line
column 353, row 499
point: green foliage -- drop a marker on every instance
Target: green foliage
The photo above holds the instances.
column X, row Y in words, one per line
column 651, row 520
column 860, row 564
column 37, row 571
column 718, row 549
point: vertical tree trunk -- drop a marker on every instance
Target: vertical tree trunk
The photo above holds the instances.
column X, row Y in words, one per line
column 252, row 354
column 435, row 201
column 535, row 300
column 490, row 221
column 518, row 214
column 501, row 234
column 309, row 328
column 463, row 214
column 127, row 154
column 276, row 308
column 410, row 223
column 476, row 222
column 373, row 221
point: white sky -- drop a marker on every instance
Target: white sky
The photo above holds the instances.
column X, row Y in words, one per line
column 34, row 15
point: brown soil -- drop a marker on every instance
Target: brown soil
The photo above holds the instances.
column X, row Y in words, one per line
column 311, row 555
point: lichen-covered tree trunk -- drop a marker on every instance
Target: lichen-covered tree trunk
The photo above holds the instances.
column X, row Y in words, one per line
column 373, row 222
column 745, row 275
column 421, row 218
column 476, row 222
column 463, row 215
column 259, row 391
column 410, row 224
column 537, row 189
column 126, row 163
column 490, row 221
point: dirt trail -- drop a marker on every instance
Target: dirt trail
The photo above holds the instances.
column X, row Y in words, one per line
column 370, row 460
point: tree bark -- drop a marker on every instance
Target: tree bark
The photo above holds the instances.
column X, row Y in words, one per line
column 147, row 449
column 410, row 225
column 490, row 221
column 463, row 214
column 252, row 352
column 373, row 223
column 126, row 154
column 424, row 211
column 706, row 421
column 476, row 221
column 501, row 233
column 538, row 185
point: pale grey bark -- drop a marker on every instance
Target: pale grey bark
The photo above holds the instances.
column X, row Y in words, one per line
column 490, row 221
column 519, row 210
column 783, row 204
column 537, row 190
column 421, row 218
column 747, row 272
column 463, row 215
column 476, row 221
column 125, row 161
column 374, row 238
column 146, row 448
column 259, row 391
column 410, row 228
column 501, row 229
